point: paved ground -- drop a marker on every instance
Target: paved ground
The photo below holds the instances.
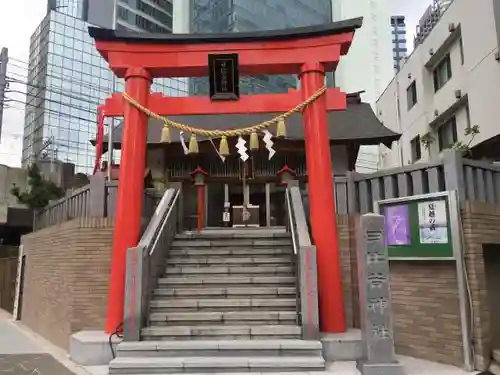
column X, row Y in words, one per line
column 24, row 353
column 21, row 355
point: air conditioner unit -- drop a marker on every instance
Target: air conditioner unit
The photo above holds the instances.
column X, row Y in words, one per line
column 458, row 94
column 451, row 27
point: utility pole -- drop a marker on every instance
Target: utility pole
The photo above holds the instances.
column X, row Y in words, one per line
column 4, row 59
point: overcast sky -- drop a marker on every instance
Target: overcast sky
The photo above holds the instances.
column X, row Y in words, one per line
column 18, row 20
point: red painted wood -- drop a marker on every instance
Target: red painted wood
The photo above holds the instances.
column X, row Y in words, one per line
column 201, row 105
column 322, row 204
column 269, row 57
column 130, row 193
column 201, row 203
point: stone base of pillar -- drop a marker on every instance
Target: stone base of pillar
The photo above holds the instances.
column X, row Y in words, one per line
column 92, row 348
column 346, row 346
column 380, row 368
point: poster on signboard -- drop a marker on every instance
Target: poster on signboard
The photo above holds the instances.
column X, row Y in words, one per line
column 433, row 222
column 397, row 225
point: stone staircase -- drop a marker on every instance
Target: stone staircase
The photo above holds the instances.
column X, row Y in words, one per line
column 227, row 303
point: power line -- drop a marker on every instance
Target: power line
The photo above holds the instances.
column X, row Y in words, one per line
column 52, row 110
column 69, row 94
column 68, row 78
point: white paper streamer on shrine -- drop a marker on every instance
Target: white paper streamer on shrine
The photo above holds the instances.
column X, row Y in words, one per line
column 269, row 143
column 222, row 157
column 183, row 143
column 242, row 149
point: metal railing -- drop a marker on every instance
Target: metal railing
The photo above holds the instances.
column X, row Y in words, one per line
column 305, row 253
column 146, row 262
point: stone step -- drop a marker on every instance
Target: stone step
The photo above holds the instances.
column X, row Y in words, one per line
column 231, row 243
column 223, row 260
column 219, row 348
column 225, row 234
column 189, row 365
column 235, row 318
column 210, row 280
column 221, row 332
column 233, row 252
column 227, row 292
column 224, row 304
column 230, row 270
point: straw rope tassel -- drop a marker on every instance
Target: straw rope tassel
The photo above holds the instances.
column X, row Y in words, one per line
column 165, row 134
column 254, row 141
column 193, row 144
column 281, row 128
column 224, row 146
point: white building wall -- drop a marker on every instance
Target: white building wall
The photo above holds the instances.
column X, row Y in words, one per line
column 180, row 22
column 478, row 77
column 368, row 65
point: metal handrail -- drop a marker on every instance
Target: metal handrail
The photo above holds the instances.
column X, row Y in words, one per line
column 291, row 221
column 154, row 224
column 164, row 223
column 306, row 263
column 145, row 263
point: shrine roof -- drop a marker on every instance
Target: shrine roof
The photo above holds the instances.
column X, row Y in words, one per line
column 356, row 125
column 332, row 28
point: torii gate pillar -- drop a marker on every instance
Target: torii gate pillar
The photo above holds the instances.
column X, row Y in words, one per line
column 307, row 52
column 322, row 202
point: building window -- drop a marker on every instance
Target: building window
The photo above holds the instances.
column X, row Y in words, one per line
column 411, row 95
column 416, row 149
column 447, row 134
column 442, row 73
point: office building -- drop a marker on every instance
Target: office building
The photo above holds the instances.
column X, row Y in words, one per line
column 220, row 16
column 67, row 80
column 399, row 50
column 447, row 86
column 154, row 16
column 429, row 19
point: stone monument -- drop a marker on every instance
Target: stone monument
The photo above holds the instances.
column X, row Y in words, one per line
column 379, row 356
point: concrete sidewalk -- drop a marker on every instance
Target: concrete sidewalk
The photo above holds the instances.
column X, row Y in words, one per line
column 23, row 354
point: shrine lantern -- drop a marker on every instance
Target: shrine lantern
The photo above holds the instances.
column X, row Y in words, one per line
column 286, row 174
column 198, row 176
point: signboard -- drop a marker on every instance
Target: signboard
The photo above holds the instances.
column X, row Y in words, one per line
column 418, row 227
column 224, row 77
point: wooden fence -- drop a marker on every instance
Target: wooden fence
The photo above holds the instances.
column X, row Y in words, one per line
column 8, row 272
column 98, row 199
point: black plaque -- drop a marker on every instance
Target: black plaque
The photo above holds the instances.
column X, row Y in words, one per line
column 224, row 77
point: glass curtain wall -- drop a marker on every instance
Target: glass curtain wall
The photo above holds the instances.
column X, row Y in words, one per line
column 218, row 16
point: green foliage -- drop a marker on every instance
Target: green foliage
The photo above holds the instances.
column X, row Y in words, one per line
column 465, row 147
column 40, row 191
column 427, row 139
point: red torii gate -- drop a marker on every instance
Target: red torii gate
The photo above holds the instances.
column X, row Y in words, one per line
column 307, row 52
